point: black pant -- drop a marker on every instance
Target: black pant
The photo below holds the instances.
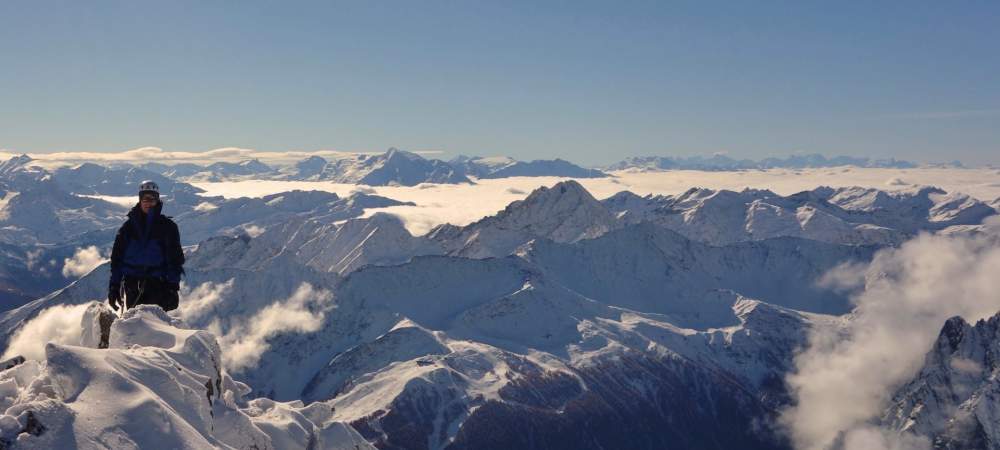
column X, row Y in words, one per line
column 149, row 291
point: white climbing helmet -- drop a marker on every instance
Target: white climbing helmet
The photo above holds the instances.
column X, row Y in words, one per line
column 149, row 187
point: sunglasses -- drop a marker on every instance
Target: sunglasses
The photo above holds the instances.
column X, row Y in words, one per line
column 148, row 198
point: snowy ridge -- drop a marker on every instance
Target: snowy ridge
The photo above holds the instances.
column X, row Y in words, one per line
column 255, row 215
column 844, row 215
column 504, row 167
column 954, row 398
column 320, row 244
column 392, row 168
column 222, row 171
column 93, row 179
column 565, row 212
column 168, row 390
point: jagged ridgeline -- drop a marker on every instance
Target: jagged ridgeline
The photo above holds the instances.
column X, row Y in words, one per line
column 562, row 321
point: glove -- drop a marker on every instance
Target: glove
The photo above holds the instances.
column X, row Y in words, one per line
column 114, row 295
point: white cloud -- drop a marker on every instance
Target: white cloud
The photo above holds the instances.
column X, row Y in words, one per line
column 205, row 206
column 362, row 190
column 32, row 258
column 842, row 382
column 196, row 303
column 253, row 230
column 82, row 262
column 59, row 324
column 965, row 365
column 303, row 312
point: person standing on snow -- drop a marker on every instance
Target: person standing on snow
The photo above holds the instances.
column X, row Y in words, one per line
column 147, row 260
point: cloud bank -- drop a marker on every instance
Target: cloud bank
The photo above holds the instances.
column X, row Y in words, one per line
column 303, row 312
column 842, row 382
column 59, row 324
column 83, row 261
column 198, row 302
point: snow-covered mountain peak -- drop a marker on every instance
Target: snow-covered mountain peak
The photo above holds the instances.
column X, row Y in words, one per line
column 565, row 212
column 15, row 163
column 953, row 399
column 394, row 152
column 309, row 168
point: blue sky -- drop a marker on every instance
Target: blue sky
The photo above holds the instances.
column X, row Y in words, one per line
column 592, row 82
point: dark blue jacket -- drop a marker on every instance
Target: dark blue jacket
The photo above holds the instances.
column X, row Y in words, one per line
column 147, row 247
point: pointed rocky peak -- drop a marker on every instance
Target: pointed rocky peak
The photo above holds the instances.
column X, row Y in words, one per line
column 14, row 163
column 312, row 161
column 444, row 232
column 395, row 153
column 569, row 190
column 565, row 212
column 624, row 201
column 694, row 194
column 363, row 200
column 566, row 197
column 87, row 169
column 17, row 160
column 953, row 332
column 252, row 166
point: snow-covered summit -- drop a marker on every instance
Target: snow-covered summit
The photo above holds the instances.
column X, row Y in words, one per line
column 15, row 163
column 566, row 212
column 504, row 167
column 393, row 168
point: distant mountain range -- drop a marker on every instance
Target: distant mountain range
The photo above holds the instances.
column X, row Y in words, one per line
column 392, row 168
column 400, row 168
column 723, row 162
